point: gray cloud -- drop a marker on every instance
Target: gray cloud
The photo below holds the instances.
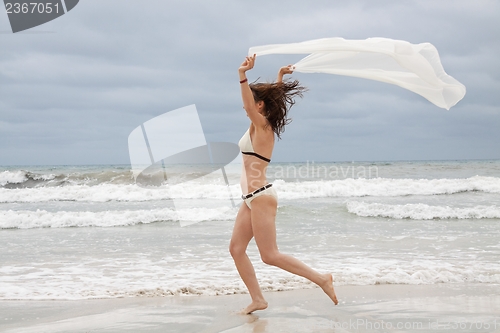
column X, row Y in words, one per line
column 73, row 94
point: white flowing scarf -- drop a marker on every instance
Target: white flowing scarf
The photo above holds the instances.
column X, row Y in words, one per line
column 415, row 67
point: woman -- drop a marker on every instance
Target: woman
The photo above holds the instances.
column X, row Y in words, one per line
column 267, row 105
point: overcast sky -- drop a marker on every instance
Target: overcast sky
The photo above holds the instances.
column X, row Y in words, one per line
column 73, row 89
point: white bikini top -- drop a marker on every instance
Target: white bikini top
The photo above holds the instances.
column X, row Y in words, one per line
column 246, row 146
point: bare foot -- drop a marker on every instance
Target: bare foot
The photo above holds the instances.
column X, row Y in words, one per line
column 328, row 288
column 255, row 305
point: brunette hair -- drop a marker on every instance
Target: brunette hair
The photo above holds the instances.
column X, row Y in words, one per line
column 278, row 98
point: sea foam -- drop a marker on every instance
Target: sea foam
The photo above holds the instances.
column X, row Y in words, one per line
column 359, row 187
column 12, row 177
column 42, row 219
column 211, row 275
column 422, row 211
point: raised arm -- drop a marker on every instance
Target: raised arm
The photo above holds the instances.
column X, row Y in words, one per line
column 284, row 70
column 247, row 96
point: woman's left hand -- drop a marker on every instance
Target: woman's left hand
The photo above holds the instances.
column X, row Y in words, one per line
column 286, row 70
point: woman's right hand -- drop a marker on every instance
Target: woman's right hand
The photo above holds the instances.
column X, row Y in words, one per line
column 247, row 64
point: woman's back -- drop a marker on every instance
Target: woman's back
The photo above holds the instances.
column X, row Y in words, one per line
column 256, row 148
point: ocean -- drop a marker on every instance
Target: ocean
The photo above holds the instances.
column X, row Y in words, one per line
column 85, row 232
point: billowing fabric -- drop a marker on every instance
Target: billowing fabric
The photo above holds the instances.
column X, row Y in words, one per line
column 415, row 67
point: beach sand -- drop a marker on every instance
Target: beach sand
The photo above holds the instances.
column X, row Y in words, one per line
column 379, row 308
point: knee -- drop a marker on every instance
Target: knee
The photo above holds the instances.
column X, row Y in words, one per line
column 236, row 250
column 271, row 258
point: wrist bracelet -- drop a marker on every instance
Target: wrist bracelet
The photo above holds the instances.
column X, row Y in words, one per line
column 244, row 80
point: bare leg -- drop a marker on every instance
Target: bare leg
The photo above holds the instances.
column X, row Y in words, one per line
column 242, row 234
column 264, row 230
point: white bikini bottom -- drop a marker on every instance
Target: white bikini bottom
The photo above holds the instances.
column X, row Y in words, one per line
column 264, row 190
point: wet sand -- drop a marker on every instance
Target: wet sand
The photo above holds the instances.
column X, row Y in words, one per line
column 379, row 308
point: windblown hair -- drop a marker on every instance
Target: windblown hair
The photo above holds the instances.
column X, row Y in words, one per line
column 278, row 98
